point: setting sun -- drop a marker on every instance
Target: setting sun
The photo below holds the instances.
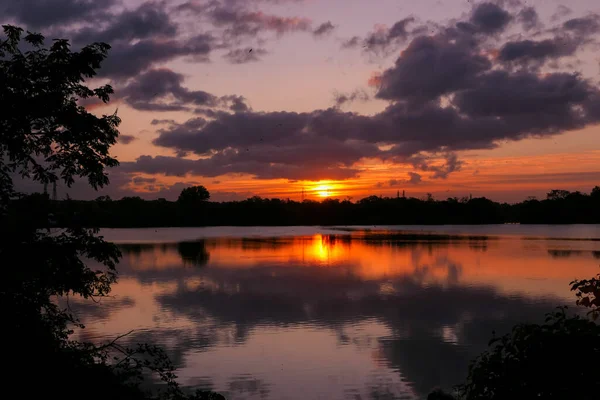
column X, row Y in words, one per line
column 323, row 190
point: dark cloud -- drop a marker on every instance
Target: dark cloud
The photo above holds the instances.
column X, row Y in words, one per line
column 526, row 52
column 351, row 43
column 381, row 40
column 561, row 12
column 529, row 18
column 163, row 122
column 551, row 97
column 126, row 139
column 431, row 67
column 452, row 164
column 584, row 26
column 148, row 20
column 140, row 180
column 239, row 21
column 243, row 56
column 162, row 90
column 489, row 18
column 413, row 179
column 230, row 164
column 345, row 98
column 41, row 14
column 236, row 103
column 324, row 29
column 128, row 60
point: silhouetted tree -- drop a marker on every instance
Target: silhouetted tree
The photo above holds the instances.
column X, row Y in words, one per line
column 45, row 135
column 193, row 195
column 557, row 194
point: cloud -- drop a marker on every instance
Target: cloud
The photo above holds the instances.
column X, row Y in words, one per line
column 430, row 67
column 561, row 12
column 584, row 26
column 529, row 18
column 140, row 180
column 128, row 60
column 524, row 52
column 163, row 122
column 127, row 139
column 351, row 43
column 162, row 90
column 232, row 164
column 149, row 20
column 382, row 39
column 345, row 98
column 413, row 179
column 238, row 21
column 324, row 29
column 489, row 18
column 452, row 164
column 243, row 56
column 41, row 14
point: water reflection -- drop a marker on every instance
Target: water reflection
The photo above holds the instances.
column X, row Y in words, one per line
column 364, row 315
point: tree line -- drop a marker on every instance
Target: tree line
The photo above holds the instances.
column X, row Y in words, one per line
column 193, row 208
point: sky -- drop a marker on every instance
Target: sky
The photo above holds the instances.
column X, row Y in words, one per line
column 341, row 98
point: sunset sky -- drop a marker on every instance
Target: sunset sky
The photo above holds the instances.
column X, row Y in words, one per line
column 344, row 98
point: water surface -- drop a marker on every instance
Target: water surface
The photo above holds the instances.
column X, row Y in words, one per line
column 328, row 313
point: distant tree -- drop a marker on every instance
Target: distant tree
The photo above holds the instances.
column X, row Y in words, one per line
column 558, row 194
column 193, row 195
column 596, row 192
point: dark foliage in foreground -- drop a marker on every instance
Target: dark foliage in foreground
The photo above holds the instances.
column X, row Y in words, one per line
column 46, row 135
column 554, row 360
column 192, row 209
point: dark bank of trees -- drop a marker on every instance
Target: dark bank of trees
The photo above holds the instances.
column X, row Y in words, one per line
column 193, row 209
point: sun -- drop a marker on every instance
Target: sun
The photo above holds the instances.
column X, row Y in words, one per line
column 323, row 190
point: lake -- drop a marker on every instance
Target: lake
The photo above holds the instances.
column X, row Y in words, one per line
column 334, row 313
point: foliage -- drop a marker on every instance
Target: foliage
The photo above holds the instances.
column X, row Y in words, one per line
column 47, row 136
column 193, row 195
column 588, row 295
column 373, row 210
column 554, row 360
